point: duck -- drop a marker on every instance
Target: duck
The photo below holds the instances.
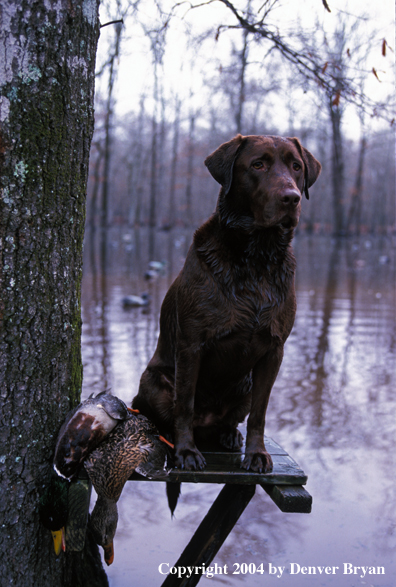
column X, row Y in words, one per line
column 134, row 301
column 63, row 509
column 83, row 429
column 53, row 510
column 134, row 445
column 155, row 269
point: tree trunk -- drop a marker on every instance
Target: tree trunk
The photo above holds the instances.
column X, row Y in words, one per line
column 190, row 169
column 108, row 126
column 175, row 150
column 47, row 60
column 136, row 184
column 154, row 147
column 337, row 168
column 243, row 56
column 92, row 208
column 355, row 209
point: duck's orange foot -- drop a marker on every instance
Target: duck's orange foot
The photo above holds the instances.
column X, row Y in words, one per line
column 133, row 411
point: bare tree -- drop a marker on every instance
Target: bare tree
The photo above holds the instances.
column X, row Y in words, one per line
column 309, row 64
column 190, row 167
column 111, row 64
column 175, row 148
column 355, row 207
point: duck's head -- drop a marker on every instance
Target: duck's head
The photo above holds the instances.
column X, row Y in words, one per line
column 53, row 510
column 104, row 518
column 84, row 429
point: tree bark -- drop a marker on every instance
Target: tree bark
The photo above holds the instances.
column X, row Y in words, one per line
column 47, row 60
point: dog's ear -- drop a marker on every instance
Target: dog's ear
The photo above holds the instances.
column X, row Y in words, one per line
column 221, row 162
column 312, row 167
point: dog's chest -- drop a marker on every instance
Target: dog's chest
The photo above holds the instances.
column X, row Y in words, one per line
column 252, row 315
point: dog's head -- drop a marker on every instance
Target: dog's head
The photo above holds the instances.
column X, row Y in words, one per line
column 263, row 178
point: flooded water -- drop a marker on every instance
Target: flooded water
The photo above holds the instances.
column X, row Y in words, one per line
column 332, row 408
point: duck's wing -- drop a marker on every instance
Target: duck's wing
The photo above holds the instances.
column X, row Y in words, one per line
column 113, row 461
column 155, row 462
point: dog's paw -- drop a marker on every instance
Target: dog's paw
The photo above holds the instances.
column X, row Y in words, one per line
column 189, row 460
column 231, row 439
column 259, row 462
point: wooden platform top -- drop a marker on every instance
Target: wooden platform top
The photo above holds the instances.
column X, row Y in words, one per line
column 225, row 467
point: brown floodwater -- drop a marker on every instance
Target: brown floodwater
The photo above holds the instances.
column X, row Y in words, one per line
column 332, row 408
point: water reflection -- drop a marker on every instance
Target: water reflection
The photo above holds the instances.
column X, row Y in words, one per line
column 332, row 408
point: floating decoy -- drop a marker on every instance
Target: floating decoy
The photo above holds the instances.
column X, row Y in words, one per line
column 136, row 301
column 157, row 265
column 155, row 268
column 83, row 429
column 134, row 445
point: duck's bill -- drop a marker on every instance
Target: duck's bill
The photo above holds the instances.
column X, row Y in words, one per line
column 108, row 553
column 59, row 540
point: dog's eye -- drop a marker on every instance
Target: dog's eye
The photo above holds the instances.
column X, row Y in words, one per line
column 258, row 164
column 296, row 166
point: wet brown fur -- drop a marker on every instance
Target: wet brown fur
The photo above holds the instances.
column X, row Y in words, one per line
column 226, row 317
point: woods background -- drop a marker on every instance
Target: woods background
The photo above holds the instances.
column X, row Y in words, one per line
column 267, row 68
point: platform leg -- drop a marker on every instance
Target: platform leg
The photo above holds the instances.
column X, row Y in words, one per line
column 212, row 532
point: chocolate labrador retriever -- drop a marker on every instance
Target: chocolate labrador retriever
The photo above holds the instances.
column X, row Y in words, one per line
column 226, row 317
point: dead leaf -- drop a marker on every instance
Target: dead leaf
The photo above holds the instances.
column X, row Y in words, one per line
column 336, row 101
column 326, row 5
column 375, row 73
column 325, row 66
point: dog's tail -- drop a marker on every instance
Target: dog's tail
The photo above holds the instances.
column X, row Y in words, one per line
column 173, row 490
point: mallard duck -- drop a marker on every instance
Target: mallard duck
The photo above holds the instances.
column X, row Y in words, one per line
column 63, row 509
column 136, row 301
column 134, row 445
column 53, row 510
column 83, row 429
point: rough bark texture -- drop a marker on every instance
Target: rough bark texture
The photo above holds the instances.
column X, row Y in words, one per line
column 47, row 60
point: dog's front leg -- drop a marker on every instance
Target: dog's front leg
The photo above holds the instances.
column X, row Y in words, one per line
column 187, row 456
column 264, row 374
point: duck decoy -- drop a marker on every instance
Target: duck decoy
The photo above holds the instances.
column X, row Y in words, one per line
column 134, row 445
column 155, row 268
column 136, row 301
column 83, row 429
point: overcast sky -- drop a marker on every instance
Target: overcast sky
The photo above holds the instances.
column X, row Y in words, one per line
column 184, row 67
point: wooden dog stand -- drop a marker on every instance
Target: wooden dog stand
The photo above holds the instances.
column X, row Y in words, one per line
column 284, row 485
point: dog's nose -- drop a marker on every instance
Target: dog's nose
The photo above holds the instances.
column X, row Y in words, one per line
column 291, row 198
